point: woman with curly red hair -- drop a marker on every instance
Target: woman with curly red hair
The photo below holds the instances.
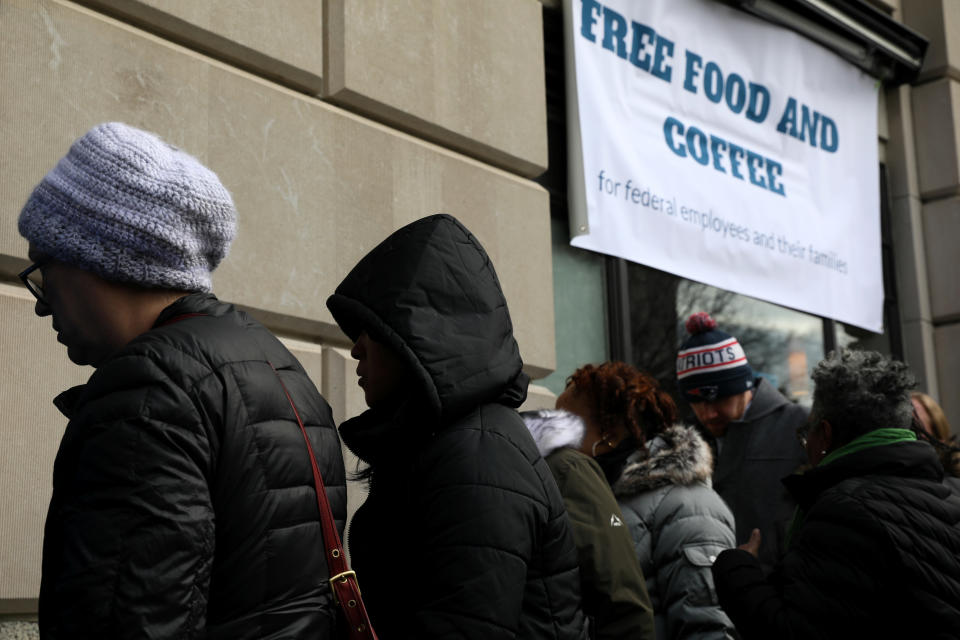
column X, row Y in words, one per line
column 660, row 472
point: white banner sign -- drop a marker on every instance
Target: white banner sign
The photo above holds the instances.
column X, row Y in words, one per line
column 727, row 150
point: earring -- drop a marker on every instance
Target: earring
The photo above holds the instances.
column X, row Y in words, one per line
column 593, row 449
column 604, row 439
column 823, row 452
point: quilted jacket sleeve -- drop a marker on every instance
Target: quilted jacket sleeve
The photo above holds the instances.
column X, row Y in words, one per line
column 482, row 512
column 474, row 570
column 692, row 526
column 136, row 538
column 838, row 550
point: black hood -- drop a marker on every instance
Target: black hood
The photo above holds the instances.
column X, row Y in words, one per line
column 429, row 291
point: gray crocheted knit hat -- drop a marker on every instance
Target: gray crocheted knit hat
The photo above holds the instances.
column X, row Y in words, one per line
column 129, row 207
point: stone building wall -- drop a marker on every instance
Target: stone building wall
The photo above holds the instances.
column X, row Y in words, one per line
column 929, row 197
column 331, row 122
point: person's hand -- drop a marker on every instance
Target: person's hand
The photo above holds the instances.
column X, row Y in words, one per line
column 752, row 546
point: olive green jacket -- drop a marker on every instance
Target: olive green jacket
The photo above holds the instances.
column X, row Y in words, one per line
column 612, row 585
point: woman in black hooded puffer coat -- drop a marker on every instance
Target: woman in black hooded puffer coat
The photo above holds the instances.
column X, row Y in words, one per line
column 464, row 533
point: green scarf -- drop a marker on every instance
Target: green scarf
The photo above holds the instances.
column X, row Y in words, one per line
column 875, row 438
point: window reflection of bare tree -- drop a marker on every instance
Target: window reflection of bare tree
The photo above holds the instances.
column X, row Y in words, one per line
column 660, row 305
column 653, row 323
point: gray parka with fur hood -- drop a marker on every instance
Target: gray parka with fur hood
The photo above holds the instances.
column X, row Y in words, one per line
column 679, row 525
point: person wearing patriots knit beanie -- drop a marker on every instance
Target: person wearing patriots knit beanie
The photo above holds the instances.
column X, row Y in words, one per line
column 711, row 364
column 162, row 523
column 751, row 427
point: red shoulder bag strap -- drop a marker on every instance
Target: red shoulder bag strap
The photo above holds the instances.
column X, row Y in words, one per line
column 343, row 581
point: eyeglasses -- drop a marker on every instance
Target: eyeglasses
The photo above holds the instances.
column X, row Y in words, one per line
column 32, row 279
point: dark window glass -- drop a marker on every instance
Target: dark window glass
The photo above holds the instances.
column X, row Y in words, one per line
column 782, row 345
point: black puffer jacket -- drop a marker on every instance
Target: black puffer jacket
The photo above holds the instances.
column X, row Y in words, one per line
column 464, row 533
column 877, row 555
column 183, row 502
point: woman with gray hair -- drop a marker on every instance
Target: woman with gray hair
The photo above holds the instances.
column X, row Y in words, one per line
column 874, row 549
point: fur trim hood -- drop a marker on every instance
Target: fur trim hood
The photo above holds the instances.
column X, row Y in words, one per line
column 678, row 456
column 554, row 429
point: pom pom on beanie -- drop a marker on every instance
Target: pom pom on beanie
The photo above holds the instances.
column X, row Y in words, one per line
column 700, row 322
column 129, row 207
column 711, row 364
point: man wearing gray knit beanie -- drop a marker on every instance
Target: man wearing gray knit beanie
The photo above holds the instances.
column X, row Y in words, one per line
column 183, row 498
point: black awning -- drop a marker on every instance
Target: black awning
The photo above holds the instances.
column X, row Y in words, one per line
column 853, row 29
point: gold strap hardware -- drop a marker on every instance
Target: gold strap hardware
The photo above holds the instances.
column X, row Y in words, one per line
column 342, row 577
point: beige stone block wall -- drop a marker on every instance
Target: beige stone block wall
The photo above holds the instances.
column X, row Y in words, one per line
column 334, row 372
column 937, row 137
column 538, row 398
column 346, row 398
column 892, row 7
column 936, row 124
column 310, row 355
column 467, row 74
column 36, row 369
column 316, row 187
column 18, row 630
column 279, row 39
column 947, row 341
column 941, row 229
column 340, row 386
column 908, row 242
column 939, row 22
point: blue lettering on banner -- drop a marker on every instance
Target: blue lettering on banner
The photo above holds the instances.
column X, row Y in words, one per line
column 736, row 155
column 763, row 172
column 614, row 29
column 694, row 64
column 713, row 82
column 643, row 36
column 649, row 51
column 736, row 93
column 663, row 50
column 812, row 126
column 759, row 102
column 732, row 89
column 587, row 20
column 653, row 53
column 716, row 153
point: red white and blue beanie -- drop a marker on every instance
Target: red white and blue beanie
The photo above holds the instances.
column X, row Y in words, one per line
column 711, row 364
